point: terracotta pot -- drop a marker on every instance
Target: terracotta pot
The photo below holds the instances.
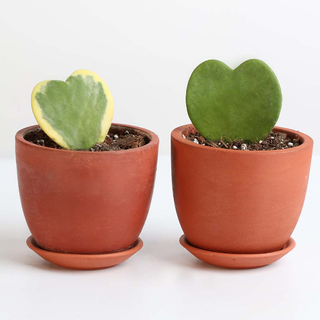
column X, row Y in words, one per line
column 86, row 202
column 235, row 201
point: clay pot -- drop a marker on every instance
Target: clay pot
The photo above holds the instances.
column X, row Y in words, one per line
column 235, row 201
column 86, row 202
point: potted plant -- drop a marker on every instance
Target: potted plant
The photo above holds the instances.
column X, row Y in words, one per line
column 85, row 184
column 239, row 183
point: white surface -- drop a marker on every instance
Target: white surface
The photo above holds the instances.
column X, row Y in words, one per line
column 146, row 50
column 163, row 280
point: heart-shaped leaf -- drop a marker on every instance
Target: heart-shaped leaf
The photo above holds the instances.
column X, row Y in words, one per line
column 77, row 113
column 244, row 103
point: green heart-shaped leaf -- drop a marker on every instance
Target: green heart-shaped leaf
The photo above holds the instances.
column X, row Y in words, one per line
column 77, row 113
column 244, row 103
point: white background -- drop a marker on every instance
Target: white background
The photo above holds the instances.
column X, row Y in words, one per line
column 146, row 51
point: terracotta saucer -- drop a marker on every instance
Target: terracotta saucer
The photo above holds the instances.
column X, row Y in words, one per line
column 84, row 261
column 237, row 261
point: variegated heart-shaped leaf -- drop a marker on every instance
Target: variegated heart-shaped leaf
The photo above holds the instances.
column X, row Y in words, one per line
column 76, row 113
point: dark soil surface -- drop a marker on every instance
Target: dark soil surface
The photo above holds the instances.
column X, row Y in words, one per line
column 119, row 138
column 274, row 141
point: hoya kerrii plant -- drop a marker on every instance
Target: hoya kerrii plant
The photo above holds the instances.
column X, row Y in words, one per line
column 241, row 104
column 80, row 207
column 236, row 208
column 77, row 113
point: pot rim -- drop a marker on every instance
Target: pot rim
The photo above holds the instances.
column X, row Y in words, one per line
column 154, row 141
column 307, row 141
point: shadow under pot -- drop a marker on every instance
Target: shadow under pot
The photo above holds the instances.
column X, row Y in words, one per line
column 85, row 210
column 238, row 208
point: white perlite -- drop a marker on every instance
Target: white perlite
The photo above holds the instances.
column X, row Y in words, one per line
column 196, row 141
column 126, row 132
column 115, row 137
column 235, row 147
column 244, row 147
column 290, row 144
column 183, row 136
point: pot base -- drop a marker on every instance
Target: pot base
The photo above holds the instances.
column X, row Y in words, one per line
column 237, row 261
column 84, row 261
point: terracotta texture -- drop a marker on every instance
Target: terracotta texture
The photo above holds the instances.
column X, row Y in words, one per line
column 84, row 261
column 82, row 201
column 238, row 260
column 236, row 201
